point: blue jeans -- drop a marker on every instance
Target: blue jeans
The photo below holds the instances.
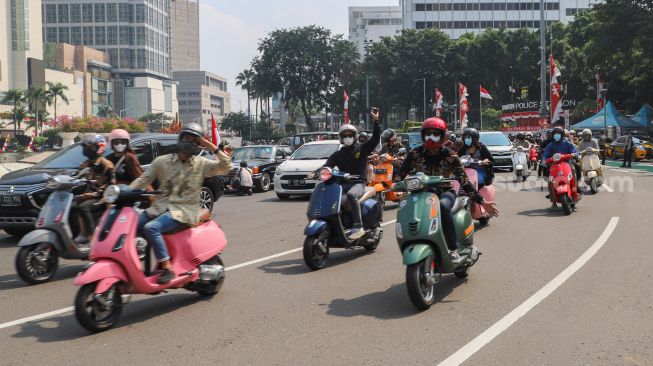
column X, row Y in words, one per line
column 153, row 228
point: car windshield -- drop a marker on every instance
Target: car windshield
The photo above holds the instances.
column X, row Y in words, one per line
column 250, row 153
column 494, row 139
column 67, row 158
column 315, row 152
column 415, row 138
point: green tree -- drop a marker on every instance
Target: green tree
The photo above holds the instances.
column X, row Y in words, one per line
column 156, row 121
column 56, row 91
column 245, row 81
column 237, row 122
column 37, row 97
column 16, row 98
column 105, row 111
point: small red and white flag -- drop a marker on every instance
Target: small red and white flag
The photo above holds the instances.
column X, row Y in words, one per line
column 599, row 87
column 556, row 93
column 6, row 144
column 464, row 105
column 215, row 136
column 438, row 102
column 31, row 142
column 346, row 109
column 484, row 93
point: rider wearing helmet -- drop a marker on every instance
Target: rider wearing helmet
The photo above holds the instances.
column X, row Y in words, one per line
column 434, row 158
column 521, row 141
column 126, row 165
column 389, row 143
column 589, row 146
column 99, row 170
column 180, row 176
column 363, row 137
column 560, row 145
column 352, row 159
column 475, row 148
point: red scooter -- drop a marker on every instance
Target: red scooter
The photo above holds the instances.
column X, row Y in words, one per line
column 562, row 183
column 121, row 260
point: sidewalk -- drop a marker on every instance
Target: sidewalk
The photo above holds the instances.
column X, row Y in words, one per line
column 647, row 167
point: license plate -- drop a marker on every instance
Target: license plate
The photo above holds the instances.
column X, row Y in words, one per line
column 297, row 182
column 10, row 200
column 380, row 171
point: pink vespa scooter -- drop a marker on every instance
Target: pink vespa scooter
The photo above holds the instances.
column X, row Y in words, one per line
column 121, row 261
column 476, row 172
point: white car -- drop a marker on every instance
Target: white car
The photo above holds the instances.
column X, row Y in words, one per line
column 290, row 178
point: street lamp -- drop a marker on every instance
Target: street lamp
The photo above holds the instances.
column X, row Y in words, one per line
column 126, row 109
column 368, row 44
column 423, row 98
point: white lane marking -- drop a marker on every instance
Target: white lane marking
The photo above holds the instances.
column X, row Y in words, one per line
column 607, row 188
column 499, row 327
column 71, row 308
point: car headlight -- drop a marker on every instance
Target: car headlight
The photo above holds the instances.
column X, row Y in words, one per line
column 111, row 194
column 413, row 184
column 640, row 147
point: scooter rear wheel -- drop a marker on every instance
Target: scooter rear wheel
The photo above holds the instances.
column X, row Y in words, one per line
column 316, row 252
column 92, row 314
column 421, row 294
column 210, row 289
column 593, row 186
column 37, row 263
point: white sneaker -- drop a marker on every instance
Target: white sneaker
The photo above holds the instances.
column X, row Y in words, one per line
column 81, row 239
column 455, row 257
column 356, row 233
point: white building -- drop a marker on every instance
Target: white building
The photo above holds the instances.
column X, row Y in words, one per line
column 457, row 17
column 372, row 23
column 201, row 94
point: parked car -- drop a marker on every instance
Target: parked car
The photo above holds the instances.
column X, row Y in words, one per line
column 643, row 149
column 23, row 192
column 301, row 138
column 262, row 160
column 500, row 147
column 291, row 176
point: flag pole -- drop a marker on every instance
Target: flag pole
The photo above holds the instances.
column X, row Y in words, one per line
column 480, row 106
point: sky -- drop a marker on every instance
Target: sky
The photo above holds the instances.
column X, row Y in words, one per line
column 231, row 29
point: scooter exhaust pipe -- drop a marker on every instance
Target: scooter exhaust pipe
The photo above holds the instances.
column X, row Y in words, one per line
column 211, row 272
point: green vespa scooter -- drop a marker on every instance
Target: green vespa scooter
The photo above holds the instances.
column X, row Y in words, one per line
column 421, row 239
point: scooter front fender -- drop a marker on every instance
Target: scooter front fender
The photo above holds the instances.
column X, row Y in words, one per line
column 592, row 174
column 562, row 188
column 315, row 227
column 105, row 272
column 379, row 187
column 416, row 253
column 41, row 236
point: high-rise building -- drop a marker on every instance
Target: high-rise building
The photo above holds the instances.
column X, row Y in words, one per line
column 201, row 94
column 185, row 35
column 456, row 17
column 21, row 48
column 373, row 22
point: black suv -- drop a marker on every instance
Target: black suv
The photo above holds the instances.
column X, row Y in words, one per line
column 262, row 160
column 22, row 192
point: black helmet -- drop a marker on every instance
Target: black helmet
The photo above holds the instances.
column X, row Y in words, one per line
column 521, row 136
column 473, row 133
column 559, row 130
column 363, row 136
column 388, row 135
column 452, row 137
column 187, row 147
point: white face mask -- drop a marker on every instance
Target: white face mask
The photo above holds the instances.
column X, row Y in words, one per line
column 434, row 138
column 348, row 141
column 119, row 147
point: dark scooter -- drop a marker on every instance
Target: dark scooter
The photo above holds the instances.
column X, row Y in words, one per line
column 329, row 219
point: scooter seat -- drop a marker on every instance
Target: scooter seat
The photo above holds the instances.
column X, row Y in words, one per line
column 460, row 204
column 370, row 192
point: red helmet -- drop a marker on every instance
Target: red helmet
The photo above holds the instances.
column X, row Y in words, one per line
column 434, row 123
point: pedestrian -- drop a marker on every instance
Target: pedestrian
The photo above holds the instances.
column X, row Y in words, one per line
column 244, row 175
column 628, row 151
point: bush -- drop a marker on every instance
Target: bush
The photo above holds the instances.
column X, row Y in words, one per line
column 95, row 124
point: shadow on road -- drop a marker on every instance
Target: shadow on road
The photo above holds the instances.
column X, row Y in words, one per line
column 297, row 267
column 65, row 327
column 12, row 281
column 289, row 199
column 542, row 212
column 392, row 303
column 8, row 241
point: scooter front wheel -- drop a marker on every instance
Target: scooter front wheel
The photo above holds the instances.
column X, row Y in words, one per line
column 97, row 313
column 420, row 283
column 566, row 204
column 316, row 252
column 593, row 186
column 37, row 263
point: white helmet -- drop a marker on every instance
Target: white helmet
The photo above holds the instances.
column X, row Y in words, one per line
column 347, row 128
column 587, row 133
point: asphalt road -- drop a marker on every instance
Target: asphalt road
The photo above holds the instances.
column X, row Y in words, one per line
column 357, row 311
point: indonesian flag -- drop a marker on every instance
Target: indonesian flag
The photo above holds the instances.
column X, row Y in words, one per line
column 556, row 94
column 31, row 142
column 438, row 102
column 215, row 136
column 599, row 87
column 484, row 93
column 346, row 109
column 464, row 105
column 6, row 144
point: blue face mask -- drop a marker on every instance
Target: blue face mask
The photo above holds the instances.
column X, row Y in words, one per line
column 557, row 137
column 468, row 141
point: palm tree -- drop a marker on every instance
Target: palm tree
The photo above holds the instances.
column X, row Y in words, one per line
column 245, row 80
column 15, row 97
column 105, row 111
column 37, row 97
column 56, row 90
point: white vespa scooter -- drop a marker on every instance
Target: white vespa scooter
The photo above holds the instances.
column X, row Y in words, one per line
column 520, row 164
column 591, row 164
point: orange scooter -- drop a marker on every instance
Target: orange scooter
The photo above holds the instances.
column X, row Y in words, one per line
column 382, row 178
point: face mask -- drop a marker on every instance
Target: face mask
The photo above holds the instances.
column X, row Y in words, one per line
column 587, row 138
column 468, row 141
column 119, row 147
column 557, row 137
column 348, row 141
column 188, row 147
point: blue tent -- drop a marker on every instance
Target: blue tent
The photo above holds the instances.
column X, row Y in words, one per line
column 614, row 118
column 644, row 116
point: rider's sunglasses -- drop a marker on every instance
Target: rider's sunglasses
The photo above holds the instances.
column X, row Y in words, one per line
column 433, row 133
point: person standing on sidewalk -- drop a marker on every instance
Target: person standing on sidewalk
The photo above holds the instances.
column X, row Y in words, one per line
column 628, row 151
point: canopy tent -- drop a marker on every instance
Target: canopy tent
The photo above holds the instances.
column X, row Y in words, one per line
column 644, row 116
column 614, row 118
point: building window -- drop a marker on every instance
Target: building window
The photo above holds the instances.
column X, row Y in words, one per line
column 141, row 59
column 64, row 35
column 420, row 25
column 99, row 13
column 124, row 58
column 125, row 13
column 63, row 13
column 51, row 35
column 140, row 36
column 50, row 13
column 112, row 35
column 112, row 13
column 113, row 56
column 88, row 36
column 100, row 36
column 124, row 35
column 75, row 13
column 87, row 13
column 76, row 35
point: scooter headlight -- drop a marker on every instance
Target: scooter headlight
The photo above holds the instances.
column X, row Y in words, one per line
column 413, row 184
column 557, row 157
column 111, row 194
column 325, row 174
